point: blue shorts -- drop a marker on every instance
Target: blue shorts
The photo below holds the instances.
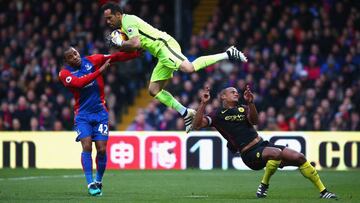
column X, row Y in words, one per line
column 95, row 125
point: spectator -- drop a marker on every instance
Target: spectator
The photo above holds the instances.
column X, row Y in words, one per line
column 34, row 124
column 58, row 126
column 289, row 110
column 281, row 122
column 23, row 113
column 16, row 125
column 46, row 119
column 262, row 123
column 167, row 122
column 139, row 124
column 354, row 124
column 179, row 126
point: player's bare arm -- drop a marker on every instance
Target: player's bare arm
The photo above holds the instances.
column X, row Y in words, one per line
column 252, row 113
column 131, row 44
column 200, row 121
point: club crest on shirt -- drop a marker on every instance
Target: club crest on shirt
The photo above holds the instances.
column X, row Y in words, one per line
column 88, row 66
column 130, row 30
column 241, row 109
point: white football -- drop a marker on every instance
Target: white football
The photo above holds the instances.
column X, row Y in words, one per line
column 117, row 37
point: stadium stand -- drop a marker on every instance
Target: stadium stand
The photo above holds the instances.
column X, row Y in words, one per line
column 304, row 63
column 32, row 38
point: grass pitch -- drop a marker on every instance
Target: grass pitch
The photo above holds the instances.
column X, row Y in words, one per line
column 35, row 185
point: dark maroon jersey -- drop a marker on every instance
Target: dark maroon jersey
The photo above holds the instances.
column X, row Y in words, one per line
column 233, row 125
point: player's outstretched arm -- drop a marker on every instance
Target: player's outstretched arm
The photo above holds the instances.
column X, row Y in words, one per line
column 99, row 59
column 129, row 45
column 252, row 113
column 122, row 56
column 200, row 121
column 70, row 80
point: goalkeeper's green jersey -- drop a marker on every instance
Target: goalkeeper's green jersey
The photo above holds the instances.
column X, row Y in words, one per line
column 151, row 38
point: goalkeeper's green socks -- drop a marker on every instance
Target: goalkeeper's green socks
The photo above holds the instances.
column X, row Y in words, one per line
column 310, row 173
column 271, row 167
column 205, row 61
column 166, row 98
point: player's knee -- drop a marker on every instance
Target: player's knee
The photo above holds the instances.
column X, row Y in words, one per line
column 153, row 91
column 87, row 148
column 187, row 67
column 101, row 151
column 300, row 158
column 272, row 153
column 277, row 155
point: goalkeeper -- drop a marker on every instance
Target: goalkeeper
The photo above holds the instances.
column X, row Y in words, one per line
column 168, row 52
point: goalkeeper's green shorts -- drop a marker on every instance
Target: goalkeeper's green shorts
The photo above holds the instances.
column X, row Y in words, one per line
column 169, row 60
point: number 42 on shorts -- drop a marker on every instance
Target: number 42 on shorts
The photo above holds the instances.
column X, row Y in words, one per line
column 103, row 129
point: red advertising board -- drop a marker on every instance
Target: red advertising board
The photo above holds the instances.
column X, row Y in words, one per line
column 123, row 152
column 163, row 152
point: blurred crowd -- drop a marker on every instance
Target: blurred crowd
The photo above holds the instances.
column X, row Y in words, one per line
column 304, row 65
column 304, row 62
column 33, row 37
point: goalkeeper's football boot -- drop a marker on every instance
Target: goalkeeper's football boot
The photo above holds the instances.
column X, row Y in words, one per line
column 94, row 190
column 99, row 185
column 188, row 119
column 262, row 190
column 235, row 54
column 327, row 195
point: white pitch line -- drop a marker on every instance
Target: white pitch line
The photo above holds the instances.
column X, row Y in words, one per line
column 197, row 196
column 40, row 177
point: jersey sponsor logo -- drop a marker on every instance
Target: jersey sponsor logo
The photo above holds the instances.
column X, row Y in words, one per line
column 241, row 109
column 235, row 118
column 90, row 84
column 68, row 79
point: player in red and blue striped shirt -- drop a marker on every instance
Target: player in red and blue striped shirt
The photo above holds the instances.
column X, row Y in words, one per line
column 82, row 76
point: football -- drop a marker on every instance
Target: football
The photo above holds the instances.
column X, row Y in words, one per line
column 117, row 37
